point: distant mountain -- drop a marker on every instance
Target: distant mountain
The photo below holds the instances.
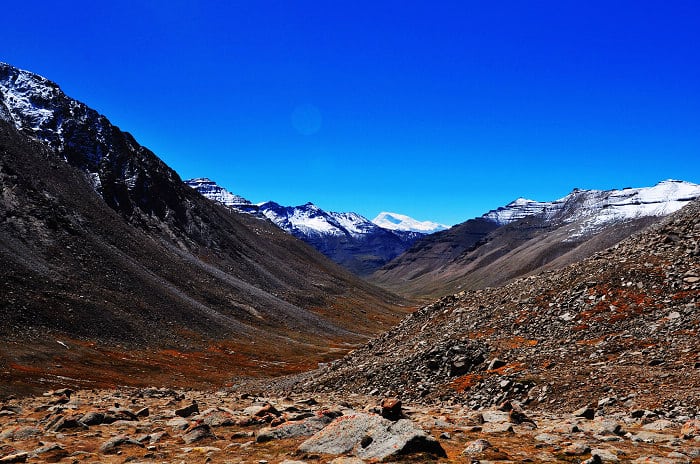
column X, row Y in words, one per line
column 105, row 250
column 593, row 210
column 211, row 190
column 395, row 221
column 526, row 236
column 347, row 238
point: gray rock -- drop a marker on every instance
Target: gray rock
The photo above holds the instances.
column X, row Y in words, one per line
column 56, row 450
column 178, row 423
column 495, row 416
column 112, row 445
column 92, row 418
column 187, row 411
column 646, row 436
column 609, row 401
column 217, row 418
column 20, row 433
column 369, row 436
column 585, row 412
column 658, row 425
column 476, row 447
column 63, row 423
column 605, row 455
column 304, row 428
column 198, row 433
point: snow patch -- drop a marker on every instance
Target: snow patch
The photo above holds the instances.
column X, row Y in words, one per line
column 395, row 221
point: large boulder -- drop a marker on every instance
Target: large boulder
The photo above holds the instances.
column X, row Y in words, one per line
column 370, row 436
column 302, row 428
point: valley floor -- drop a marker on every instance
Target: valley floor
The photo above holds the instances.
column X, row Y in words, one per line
column 184, row 426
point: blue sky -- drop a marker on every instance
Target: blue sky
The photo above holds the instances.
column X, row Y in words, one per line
column 438, row 110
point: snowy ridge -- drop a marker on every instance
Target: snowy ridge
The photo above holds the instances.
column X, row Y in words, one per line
column 516, row 210
column 395, row 221
column 309, row 219
column 211, row 190
column 592, row 210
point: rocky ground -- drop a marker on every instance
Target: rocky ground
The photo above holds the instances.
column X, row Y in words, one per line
column 178, row 426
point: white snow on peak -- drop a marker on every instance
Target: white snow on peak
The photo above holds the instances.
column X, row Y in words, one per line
column 353, row 222
column 591, row 210
column 613, row 206
column 25, row 95
column 516, row 209
column 211, row 190
column 34, row 103
column 395, row 221
column 310, row 220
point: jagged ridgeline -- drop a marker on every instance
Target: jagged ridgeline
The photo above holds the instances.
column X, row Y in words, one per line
column 104, row 249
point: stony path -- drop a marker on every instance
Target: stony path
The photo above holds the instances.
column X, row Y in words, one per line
column 169, row 426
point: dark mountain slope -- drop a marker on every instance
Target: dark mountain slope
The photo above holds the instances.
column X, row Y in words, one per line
column 417, row 271
column 528, row 245
column 103, row 248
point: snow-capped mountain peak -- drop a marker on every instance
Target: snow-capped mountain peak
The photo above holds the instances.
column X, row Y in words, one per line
column 35, row 104
column 309, row 219
column 211, row 190
column 591, row 210
column 395, row 221
column 516, row 209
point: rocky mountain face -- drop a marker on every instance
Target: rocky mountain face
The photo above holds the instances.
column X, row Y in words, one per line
column 346, row 238
column 618, row 329
column 526, row 236
column 112, row 268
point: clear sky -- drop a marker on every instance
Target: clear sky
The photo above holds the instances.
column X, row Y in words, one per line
column 439, row 110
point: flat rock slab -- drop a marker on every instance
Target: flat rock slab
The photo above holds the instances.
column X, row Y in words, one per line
column 369, row 436
column 304, row 428
column 495, row 416
column 113, row 444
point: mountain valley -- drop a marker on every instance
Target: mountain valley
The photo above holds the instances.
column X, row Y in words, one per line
column 147, row 319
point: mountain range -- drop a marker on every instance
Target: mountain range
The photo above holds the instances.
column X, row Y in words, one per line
column 349, row 239
column 528, row 236
column 428, row 260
